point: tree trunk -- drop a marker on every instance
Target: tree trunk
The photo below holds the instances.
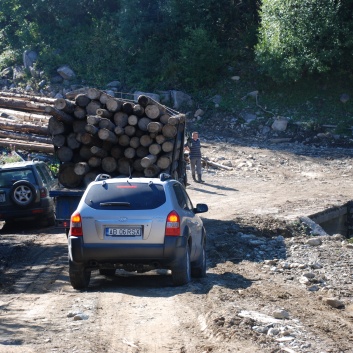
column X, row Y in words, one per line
column 82, row 100
column 80, row 113
column 152, row 111
column 168, row 146
column 139, row 111
column 93, row 93
column 91, row 129
column 145, row 140
column 16, row 115
column 24, row 137
column 106, row 124
column 92, row 107
column 124, row 166
column 81, row 168
column 23, row 145
column 94, row 119
column 135, row 142
column 99, row 152
column 113, row 105
column 23, row 105
column 117, row 152
column 128, row 108
column 59, row 115
column 12, row 125
column 121, row 119
column 95, row 162
column 64, row 105
column 164, row 161
column 130, row 130
column 104, row 113
column 107, row 135
column 27, row 97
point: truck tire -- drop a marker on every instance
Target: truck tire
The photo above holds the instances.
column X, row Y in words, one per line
column 23, row 193
column 79, row 276
column 181, row 273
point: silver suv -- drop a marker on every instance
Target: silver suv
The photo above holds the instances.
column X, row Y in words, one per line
column 136, row 224
column 24, row 192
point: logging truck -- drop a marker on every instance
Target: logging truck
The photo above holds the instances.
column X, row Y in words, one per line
column 99, row 134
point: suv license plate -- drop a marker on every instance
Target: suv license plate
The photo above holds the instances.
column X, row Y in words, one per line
column 2, row 197
column 123, row 231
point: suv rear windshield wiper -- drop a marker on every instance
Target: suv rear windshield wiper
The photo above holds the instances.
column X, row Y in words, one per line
column 122, row 204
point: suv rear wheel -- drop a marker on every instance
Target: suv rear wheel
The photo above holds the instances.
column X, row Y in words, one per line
column 79, row 276
column 23, row 193
column 199, row 268
column 181, row 273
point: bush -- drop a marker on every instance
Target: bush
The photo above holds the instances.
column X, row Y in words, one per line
column 298, row 37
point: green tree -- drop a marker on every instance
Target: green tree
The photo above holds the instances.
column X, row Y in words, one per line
column 298, row 37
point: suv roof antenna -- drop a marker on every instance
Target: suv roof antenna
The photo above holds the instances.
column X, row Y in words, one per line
column 130, row 175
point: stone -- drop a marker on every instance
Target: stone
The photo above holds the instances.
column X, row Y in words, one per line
column 281, row 314
column 29, row 58
column 334, row 302
column 115, row 84
column 344, row 98
column 314, row 242
column 199, row 112
column 235, row 78
column 66, row 72
column 280, row 124
column 180, row 99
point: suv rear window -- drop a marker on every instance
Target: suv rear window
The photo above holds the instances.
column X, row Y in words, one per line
column 125, row 196
column 7, row 178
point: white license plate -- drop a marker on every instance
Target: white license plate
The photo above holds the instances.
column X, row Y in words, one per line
column 123, row 231
column 2, row 198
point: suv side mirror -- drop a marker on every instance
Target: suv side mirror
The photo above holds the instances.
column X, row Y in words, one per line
column 201, row 208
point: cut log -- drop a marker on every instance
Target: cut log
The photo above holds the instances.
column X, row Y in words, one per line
column 67, row 176
column 92, row 107
column 94, row 119
column 141, row 151
column 217, row 165
column 58, row 140
column 128, row 108
column 65, row 154
column 135, row 142
column 168, row 146
column 160, row 139
column 82, row 100
column 143, row 123
column 95, row 162
column 121, row 119
column 117, row 152
column 28, row 97
column 137, row 165
column 16, row 115
column 24, row 145
column 145, row 140
column 85, row 153
column 144, row 100
column 107, row 135
column 104, row 98
column 72, row 141
column 106, row 124
column 89, row 177
column 80, row 113
column 81, row 168
column 155, row 148
column 56, row 127
column 23, row 105
column 154, row 127
column 79, row 126
column 152, row 111
column 109, row 164
column 130, row 130
column 104, row 113
column 152, row 171
column 99, row 152
column 64, row 105
column 148, row 160
column 169, row 130
column 139, row 111
column 93, row 93
column 130, row 152
column 59, row 115
column 113, row 105
column 164, row 119
column 88, row 139
column 91, row 129
column 119, row 131
column 124, row 140
column 164, row 162
column 124, row 166
column 6, row 124
column 132, row 120
column 24, row 137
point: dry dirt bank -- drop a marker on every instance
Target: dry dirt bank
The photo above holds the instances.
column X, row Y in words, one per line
column 267, row 288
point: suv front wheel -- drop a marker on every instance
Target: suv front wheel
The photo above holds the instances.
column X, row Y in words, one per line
column 23, row 193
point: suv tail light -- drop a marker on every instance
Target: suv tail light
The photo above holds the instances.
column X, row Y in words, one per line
column 76, row 225
column 172, row 226
column 43, row 193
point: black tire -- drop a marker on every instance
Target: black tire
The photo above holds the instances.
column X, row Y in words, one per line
column 181, row 273
column 198, row 269
column 107, row 271
column 79, row 276
column 23, row 193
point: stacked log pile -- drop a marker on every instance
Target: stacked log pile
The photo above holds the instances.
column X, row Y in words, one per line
column 97, row 133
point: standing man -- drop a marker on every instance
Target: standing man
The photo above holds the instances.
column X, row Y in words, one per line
column 193, row 145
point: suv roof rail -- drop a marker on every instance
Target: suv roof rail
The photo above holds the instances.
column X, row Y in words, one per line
column 100, row 177
column 164, row 177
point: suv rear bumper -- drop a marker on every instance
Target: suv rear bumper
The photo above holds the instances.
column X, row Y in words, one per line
column 162, row 254
column 26, row 214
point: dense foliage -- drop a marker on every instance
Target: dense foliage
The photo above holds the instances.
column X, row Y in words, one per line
column 178, row 43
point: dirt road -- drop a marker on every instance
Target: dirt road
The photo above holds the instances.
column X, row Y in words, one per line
column 267, row 288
